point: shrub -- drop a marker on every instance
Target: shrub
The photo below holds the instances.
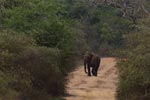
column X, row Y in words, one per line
column 27, row 70
column 17, row 80
column 134, row 83
column 46, row 21
column 44, row 64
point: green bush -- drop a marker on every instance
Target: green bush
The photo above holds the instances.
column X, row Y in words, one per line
column 134, row 83
column 46, row 21
column 44, row 64
column 17, row 80
column 26, row 68
column 103, row 26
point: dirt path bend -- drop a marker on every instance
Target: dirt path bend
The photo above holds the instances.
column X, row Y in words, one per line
column 102, row 87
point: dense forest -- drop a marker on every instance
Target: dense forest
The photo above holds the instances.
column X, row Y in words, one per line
column 42, row 40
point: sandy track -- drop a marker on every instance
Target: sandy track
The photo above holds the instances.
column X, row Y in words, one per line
column 102, row 87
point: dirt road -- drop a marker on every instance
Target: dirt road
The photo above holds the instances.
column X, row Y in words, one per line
column 102, row 87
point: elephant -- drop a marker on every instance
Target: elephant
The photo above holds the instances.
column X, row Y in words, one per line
column 91, row 60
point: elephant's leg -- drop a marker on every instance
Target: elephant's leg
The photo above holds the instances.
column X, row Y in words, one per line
column 89, row 72
column 96, row 67
column 93, row 71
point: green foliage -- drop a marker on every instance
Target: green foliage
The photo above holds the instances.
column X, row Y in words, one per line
column 111, row 27
column 17, row 79
column 103, row 26
column 28, row 69
column 32, row 15
column 44, row 64
column 43, row 38
column 78, row 9
column 41, row 52
column 147, row 5
column 51, row 21
column 45, row 21
column 134, row 83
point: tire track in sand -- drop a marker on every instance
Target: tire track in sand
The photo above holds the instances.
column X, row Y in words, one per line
column 102, row 87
